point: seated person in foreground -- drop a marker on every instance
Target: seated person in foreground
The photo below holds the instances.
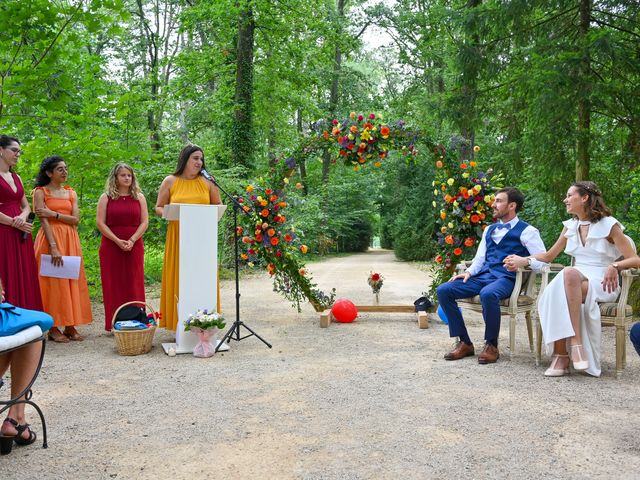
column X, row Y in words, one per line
column 568, row 308
column 490, row 276
column 23, row 363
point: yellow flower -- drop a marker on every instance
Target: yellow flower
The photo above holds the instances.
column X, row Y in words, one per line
column 434, row 204
column 443, row 229
column 451, row 181
column 476, row 149
column 465, row 175
column 350, row 136
column 249, row 188
column 435, row 192
column 365, row 135
column 377, row 164
column 450, row 225
column 250, row 264
column 352, row 115
column 455, row 204
column 286, row 180
column 433, row 184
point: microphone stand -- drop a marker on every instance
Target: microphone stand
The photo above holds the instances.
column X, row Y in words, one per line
column 234, row 332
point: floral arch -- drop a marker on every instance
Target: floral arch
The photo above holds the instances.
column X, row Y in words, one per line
column 360, row 141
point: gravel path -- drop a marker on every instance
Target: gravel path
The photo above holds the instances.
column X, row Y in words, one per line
column 369, row 400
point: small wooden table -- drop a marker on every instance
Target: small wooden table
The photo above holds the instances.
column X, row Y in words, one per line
column 423, row 321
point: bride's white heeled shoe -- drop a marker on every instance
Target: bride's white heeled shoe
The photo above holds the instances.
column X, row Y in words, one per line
column 578, row 357
column 553, row 370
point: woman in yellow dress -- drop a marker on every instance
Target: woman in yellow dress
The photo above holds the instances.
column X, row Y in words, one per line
column 185, row 185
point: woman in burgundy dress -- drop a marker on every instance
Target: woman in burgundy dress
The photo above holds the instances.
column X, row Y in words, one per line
column 17, row 260
column 122, row 218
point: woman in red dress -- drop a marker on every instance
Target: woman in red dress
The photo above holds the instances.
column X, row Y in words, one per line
column 122, row 218
column 17, row 261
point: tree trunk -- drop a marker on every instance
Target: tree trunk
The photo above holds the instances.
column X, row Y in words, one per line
column 242, row 145
column 583, row 94
column 469, row 89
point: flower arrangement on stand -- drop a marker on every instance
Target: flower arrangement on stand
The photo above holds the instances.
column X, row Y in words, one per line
column 463, row 196
column 205, row 325
column 375, row 281
column 268, row 238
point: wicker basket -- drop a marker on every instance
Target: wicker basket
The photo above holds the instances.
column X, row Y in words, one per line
column 134, row 342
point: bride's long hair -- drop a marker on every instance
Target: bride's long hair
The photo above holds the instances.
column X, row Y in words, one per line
column 594, row 207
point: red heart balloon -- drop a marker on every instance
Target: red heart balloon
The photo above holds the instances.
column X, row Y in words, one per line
column 344, row 311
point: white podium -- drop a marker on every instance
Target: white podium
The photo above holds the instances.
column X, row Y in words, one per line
column 198, row 272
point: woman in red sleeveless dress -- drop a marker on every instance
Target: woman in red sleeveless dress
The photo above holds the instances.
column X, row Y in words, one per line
column 122, row 218
column 18, row 265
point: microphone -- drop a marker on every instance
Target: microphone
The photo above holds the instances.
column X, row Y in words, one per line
column 29, row 220
column 207, row 176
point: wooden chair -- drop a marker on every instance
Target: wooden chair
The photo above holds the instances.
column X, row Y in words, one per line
column 613, row 314
column 522, row 300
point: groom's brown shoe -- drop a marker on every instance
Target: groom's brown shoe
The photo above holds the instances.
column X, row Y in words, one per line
column 489, row 354
column 460, row 351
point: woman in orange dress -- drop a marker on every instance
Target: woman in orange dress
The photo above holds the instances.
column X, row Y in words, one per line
column 185, row 185
column 56, row 204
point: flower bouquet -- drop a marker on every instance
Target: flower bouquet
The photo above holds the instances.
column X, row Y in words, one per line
column 205, row 325
column 375, row 281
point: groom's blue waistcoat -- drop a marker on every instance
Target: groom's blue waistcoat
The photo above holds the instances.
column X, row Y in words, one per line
column 509, row 245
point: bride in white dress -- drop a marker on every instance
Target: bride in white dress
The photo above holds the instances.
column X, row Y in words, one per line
column 568, row 309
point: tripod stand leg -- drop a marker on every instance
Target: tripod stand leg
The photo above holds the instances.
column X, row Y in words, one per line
column 254, row 334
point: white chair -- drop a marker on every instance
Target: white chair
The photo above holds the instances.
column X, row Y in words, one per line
column 522, row 300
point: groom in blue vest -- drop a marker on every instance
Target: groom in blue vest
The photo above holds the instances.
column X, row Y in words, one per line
column 490, row 275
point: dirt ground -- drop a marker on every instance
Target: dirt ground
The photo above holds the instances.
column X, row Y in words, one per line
column 368, row 400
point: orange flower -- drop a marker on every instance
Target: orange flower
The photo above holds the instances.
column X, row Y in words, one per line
column 482, row 216
column 369, row 126
column 439, row 164
column 259, row 238
column 384, row 131
column 275, row 241
column 249, row 188
column 377, row 164
column 443, row 229
column 449, row 240
column 304, row 248
column 268, row 191
column 271, row 232
column 246, row 239
column 244, row 256
column 473, row 164
column 325, row 134
column 463, row 166
column 271, row 268
column 288, row 237
column 353, row 129
column 443, row 215
column 282, row 219
column 273, row 198
column 263, row 203
column 264, row 213
column 302, row 271
column 469, row 242
column 342, row 153
column 282, row 204
column 447, row 198
column 335, row 131
column 475, row 218
column 457, row 251
column 246, row 208
column 382, row 154
column 362, row 146
column 239, row 230
column 299, row 186
column 439, row 259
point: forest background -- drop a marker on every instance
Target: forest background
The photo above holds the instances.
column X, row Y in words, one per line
column 549, row 90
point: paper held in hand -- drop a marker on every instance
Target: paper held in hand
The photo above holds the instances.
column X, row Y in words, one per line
column 70, row 267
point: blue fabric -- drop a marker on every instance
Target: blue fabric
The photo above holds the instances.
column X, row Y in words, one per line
column 491, row 290
column 503, row 225
column 634, row 335
column 509, row 245
column 13, row 319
